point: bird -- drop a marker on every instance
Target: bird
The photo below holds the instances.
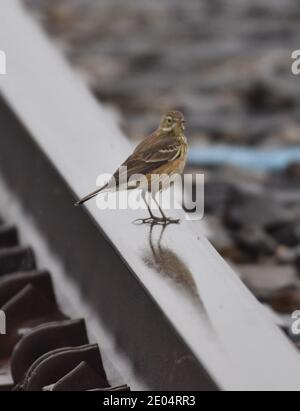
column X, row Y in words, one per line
column 159, row 157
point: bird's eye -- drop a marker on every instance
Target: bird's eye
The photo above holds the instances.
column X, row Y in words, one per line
column 169, row 120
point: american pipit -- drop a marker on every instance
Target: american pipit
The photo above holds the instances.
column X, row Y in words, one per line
column 158, row 158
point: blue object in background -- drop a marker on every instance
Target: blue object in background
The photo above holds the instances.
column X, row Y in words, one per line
column 272, row 159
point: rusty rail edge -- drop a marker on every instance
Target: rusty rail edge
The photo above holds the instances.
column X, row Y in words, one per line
column 174, row 307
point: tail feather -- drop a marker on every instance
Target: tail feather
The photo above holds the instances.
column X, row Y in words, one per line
column 90, row 196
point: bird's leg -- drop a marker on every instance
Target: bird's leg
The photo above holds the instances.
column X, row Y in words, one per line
column 152, row 219
column 152, row 216
column 165, row 219
column 160, row 209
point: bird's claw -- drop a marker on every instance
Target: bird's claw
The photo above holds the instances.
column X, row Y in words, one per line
column 157, row 221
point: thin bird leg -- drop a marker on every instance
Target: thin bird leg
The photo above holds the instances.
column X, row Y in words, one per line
column 146, row 202
column 150, row 220
column 165, row 219
column 160, row 209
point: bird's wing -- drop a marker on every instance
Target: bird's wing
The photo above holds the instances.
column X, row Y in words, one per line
column 149, row 155
column 157, row 149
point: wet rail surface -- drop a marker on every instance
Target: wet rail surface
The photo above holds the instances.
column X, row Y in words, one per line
column 168, row 297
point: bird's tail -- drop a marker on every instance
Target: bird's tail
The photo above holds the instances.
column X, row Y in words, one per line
column 90, row 196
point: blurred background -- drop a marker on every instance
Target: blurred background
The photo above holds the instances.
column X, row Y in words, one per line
column 227, row 66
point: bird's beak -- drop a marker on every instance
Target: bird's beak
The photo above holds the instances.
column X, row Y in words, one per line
column 183, row 125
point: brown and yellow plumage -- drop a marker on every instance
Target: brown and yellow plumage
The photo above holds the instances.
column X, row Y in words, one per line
column 161, row 154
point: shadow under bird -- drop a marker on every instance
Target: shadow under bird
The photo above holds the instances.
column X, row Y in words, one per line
column 159, row 157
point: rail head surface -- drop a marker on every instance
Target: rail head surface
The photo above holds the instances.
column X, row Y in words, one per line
column 212, row 312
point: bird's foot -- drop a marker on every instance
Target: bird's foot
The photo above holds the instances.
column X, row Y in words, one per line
column 157, row 221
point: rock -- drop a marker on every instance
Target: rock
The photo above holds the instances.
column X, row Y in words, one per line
column 284, row 301
column 266, row 279
column 254, row 241
column 223, row 242
column 255, row 210
column 262, row 96
column 217, row 194
column 292, row 172
column 60, row 17
column 287, row 255
column 287, row 234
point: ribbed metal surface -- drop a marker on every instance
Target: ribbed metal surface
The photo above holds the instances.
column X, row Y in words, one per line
column 41, row 344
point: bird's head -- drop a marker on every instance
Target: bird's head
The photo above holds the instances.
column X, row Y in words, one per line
column 173, row 121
